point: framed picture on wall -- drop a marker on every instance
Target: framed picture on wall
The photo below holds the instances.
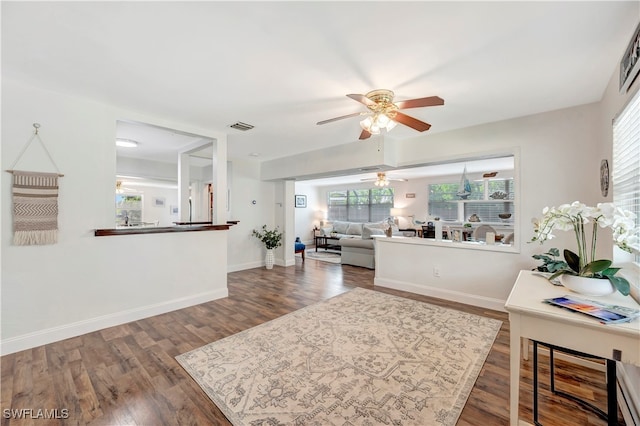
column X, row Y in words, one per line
column 301, row 201
column 158, row 201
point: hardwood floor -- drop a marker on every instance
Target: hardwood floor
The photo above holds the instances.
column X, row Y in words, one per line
column 127, row 375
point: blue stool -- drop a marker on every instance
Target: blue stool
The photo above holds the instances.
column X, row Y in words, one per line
column 299, row 248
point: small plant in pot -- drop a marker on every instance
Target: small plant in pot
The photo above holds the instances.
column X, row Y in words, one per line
column 271, row 239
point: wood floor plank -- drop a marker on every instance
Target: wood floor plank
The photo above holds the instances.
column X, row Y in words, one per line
column 128, row 375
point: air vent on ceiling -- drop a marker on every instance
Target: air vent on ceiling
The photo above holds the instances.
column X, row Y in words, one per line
column 368, row 169
column 242, row 126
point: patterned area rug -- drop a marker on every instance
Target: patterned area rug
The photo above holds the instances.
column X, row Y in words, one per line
column 360, row 358
column 325, row 256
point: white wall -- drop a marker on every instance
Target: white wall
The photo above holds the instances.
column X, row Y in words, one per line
column 245, row 251
column 307, row 218
column 85, row 283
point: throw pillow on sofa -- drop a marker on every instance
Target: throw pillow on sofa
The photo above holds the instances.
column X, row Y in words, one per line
column 340, row 227
column 368, row 231
column 354, row 228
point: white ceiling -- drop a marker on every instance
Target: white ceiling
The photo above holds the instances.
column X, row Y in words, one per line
column 283, row 66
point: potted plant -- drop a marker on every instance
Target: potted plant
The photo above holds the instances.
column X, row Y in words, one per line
column 584, row 264
column 271, row 239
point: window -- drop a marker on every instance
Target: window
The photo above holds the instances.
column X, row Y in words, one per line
column 445, row 204
column 626, row 160
column 128, row 209
column 359, row 205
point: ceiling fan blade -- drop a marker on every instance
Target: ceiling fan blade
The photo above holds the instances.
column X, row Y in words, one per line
column 362, row 99
column 421, row 102
column 364, row 135
column 414, row 123
column 340, row 118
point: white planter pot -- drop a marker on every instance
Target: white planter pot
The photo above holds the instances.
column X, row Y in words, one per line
column 587, row 286
column 269, row 259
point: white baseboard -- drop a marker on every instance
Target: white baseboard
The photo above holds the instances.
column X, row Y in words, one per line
column 454, row 296
column 54, row 334
column 259, row 264
column 244, row 266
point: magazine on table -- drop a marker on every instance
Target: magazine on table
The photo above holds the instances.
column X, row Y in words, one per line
column 606, row 313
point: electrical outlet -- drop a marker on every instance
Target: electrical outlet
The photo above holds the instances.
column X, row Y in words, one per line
column 436, row 271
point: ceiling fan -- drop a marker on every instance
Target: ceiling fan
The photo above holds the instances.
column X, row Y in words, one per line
column 382, row 180
column 384, row 113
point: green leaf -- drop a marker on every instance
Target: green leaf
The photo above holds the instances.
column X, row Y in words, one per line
column 542, row 257
column 595, row 266
column 556, row 265
column 609, row 272
column 554, row 252
column 572, row 260
column 621, row 284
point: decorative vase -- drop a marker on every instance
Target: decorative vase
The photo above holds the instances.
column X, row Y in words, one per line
column 388, row 232
column 587, row 286
column 269, row 259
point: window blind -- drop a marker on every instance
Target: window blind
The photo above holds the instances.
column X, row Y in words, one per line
column 625, row 174
column 359, row 205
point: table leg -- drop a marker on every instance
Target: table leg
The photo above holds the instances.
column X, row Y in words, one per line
column 514, row 358
column 612, row 393
column 612, row 401
column 535, row 383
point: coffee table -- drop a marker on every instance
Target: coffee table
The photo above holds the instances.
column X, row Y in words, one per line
column 327, row 242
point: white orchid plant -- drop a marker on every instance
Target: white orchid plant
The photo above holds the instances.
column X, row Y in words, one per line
column 576, row 216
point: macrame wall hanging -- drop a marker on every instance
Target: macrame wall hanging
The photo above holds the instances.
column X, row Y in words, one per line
column 35, row 202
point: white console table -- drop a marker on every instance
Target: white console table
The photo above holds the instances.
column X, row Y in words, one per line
column 530, row 318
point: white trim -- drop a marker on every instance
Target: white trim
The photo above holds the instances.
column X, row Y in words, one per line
column 54, row 334
column 454, row 296
column 244, row 266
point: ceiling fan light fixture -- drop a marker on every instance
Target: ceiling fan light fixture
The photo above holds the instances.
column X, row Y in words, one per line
column 382, row 180
column 376, row 123
column 382, row 120
column 366, row 123
column 390, row 125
